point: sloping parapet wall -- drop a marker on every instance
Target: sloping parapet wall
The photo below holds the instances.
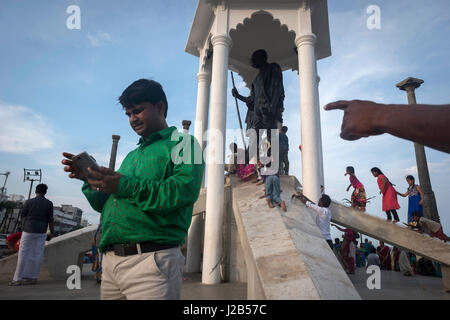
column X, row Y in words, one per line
column 67, row 250
column 388, row 232
column 285, row 254
column 394, row 234
column 59, row 253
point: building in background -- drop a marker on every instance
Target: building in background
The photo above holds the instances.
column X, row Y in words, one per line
column 10, row 207
column 68, row 218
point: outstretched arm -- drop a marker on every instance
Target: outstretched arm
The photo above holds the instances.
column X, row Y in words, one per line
column 424, row 124
column 301, row 197
column 402, row 194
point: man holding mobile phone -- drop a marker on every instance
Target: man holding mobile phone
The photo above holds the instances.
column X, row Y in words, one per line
column 147, row 204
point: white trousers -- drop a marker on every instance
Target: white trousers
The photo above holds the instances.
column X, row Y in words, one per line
column 147, row 276
column 31, row 251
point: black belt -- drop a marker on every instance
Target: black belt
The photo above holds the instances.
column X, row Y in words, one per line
column 128, row 249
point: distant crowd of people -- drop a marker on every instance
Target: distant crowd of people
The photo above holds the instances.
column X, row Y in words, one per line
column 352, row 256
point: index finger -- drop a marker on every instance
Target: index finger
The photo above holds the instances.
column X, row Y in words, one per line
column 341, row 104
column 67, row 155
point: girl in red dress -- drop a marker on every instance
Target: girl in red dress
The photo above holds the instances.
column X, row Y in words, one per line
column 390, row 203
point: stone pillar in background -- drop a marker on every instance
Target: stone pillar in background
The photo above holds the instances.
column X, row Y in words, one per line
column 429, row 203
column 186, row 124
column 112, row 160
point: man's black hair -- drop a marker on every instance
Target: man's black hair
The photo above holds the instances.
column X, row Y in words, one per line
column 41, row 188
column 326, row 201
column 372, row 249
column 141, row 91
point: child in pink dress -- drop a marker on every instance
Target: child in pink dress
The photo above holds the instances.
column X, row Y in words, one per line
column 359, row 198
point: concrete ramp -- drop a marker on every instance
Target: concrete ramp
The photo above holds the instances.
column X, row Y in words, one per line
column 394, row 234
column 285, row 253
column 59, row 253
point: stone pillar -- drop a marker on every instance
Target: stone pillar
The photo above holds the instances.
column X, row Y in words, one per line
column 112, row 160
column 186, row 124
column 312, row 170
column 195, row 233
column 322, row 177
column 429, row 203
column 212, row 252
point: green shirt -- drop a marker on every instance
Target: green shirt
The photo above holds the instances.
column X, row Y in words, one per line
column 155, row 195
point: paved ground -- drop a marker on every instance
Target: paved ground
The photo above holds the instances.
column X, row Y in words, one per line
column 192, row 289
column 393, row 286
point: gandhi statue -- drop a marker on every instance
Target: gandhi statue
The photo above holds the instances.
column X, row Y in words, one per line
column 265, row 103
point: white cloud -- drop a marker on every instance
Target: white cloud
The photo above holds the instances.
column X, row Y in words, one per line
column 24, row 131
column 99, row 38
column 440, row 167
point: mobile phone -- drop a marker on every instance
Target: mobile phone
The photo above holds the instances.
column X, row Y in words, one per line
column 83, row 161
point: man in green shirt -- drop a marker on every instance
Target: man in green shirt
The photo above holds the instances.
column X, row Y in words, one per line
column 146, row 206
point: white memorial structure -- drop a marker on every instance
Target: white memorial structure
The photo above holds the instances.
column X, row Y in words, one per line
column 224, row 34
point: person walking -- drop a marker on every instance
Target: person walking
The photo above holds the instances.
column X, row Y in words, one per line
column 415, row 197
column 359, row 198
column 390, row 203
column 37, row 215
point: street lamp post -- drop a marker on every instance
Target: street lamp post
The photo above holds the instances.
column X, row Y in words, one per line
column 32, row 175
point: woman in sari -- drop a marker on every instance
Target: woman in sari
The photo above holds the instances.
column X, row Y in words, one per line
column 359, row 198
column 345, row 248
column 395, row 255
column 385, row 256
column 390, row 203
column 405, row 264
column 415, row 197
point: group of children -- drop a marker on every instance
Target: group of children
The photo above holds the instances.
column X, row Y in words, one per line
column 416, row 220
column 269, row 174
column 266, row 171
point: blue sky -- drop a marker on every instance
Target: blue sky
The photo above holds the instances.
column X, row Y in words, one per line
column 59, row 87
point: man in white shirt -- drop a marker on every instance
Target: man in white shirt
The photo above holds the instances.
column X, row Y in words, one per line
column 373, row 258
column 323, row 217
